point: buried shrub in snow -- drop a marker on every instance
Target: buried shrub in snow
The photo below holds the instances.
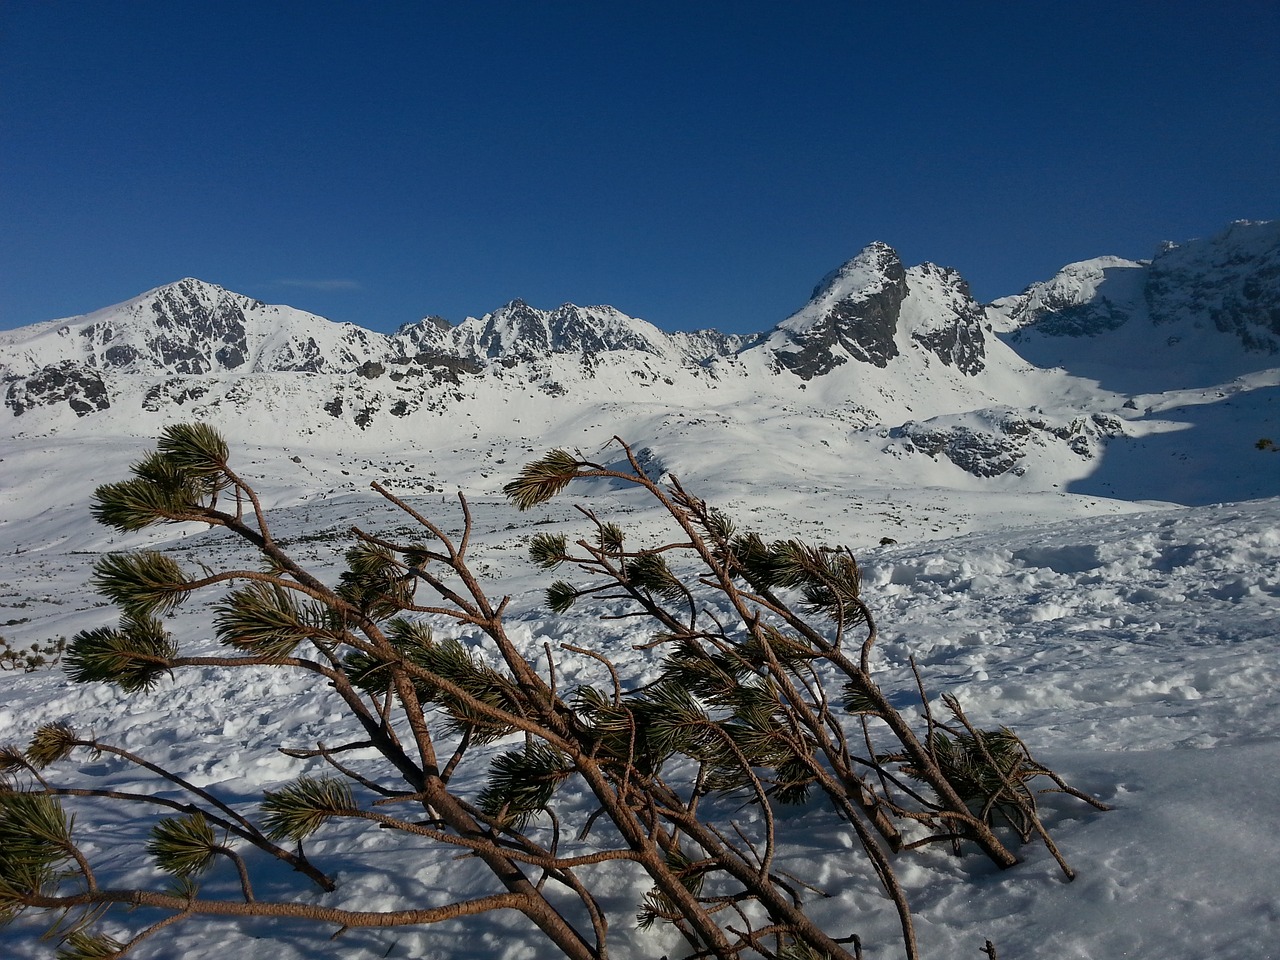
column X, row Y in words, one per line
column 32, row 657
column 764, row 698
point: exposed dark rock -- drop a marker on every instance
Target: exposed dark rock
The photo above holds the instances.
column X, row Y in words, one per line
column 991, row 453
column 120, row 355
column 1232, row 280
column 863, row 322
column 446, row 361
column 83, row 390
column 176, row 391
column 230, row 356
column 1083, row 319
column 977, row 452
column 518, row 332
column 959, row 342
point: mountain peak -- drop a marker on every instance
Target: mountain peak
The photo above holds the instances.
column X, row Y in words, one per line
column 871, row 269
column 517, row 330
column 853, row 313
column 1085, row 298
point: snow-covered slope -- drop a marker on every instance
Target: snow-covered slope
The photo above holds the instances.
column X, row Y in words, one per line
column 1197, row 314
column 190, row 328
column 1135, row 653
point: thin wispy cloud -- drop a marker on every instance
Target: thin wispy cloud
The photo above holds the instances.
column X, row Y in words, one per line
column 326, row 286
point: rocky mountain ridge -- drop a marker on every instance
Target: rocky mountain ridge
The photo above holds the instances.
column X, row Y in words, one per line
column 902, row 354
column 192, row 329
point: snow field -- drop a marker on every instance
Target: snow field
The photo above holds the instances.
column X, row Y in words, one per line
column 1135, row 653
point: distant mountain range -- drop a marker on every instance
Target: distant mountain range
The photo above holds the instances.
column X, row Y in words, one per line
column 901, row 353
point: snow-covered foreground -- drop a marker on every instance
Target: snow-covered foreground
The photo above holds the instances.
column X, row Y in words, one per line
column 1136, row 653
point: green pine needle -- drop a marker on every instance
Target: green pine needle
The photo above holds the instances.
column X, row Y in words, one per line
column 711, row 675
column 452, row 661
column 561, row 596
column 301, row 808
column 81, row 945
column 35, row 840
column 184, row 846
column 801, row 951
column 268, row 621
column 161, row 491
column 134, row 504
column 719, row 525
column 857, row 701
column 670, row 720
column 987, row 772
column 134, row 656
column 657, row 905
column 12, row 759
column 521, row 784
column 611, row 538
column 147, row 583
column 194, row 447
column 549, row 550
column 541, row 480
column 752, row 556
column 787, row 650
column 410, row 635
column 368, row 673
column 650, row 571
column 375, row 582
column 51, row 743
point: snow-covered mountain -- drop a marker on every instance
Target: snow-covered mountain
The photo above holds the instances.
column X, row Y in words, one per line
column 1032, row 389
column 1197, row 313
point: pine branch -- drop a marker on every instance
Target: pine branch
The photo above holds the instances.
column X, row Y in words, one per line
column 134, row 657
column 269, row 621
column 300, row 809
column 183, row 846
column 541, row 480
column 147, row 583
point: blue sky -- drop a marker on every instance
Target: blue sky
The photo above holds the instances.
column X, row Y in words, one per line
column 693, row 163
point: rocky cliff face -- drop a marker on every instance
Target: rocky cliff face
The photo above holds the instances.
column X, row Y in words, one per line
column 943, row 318
column 1229, row 282
column 1232, row 280
column 873, row 309
column 518, row 330
column 851, row 315
column 1083, row 300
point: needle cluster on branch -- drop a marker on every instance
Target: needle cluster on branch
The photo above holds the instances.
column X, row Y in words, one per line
column 764, row 697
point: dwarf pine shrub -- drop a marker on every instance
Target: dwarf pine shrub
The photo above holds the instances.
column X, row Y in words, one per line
column 765, row 697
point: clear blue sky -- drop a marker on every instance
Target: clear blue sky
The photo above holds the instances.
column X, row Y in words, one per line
column 692, row 163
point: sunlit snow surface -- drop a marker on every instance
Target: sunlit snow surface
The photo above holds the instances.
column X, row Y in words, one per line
column 1138, row 653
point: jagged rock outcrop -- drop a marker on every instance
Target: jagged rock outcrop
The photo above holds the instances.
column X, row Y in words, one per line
column 83, row 390
column 1083, row 299
column 872, row 309
column 851, row 315
column 192, row 328
column 944, row 319
column 999, row 441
